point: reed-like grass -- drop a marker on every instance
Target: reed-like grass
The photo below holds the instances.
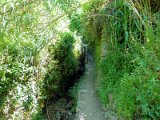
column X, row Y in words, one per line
column 129, row 72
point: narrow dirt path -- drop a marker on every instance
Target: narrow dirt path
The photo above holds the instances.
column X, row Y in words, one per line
column 88, row 105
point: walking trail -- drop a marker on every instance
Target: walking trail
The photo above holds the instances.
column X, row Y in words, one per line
column 88, row 105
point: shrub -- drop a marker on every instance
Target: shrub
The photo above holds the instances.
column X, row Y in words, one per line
column 62, row 66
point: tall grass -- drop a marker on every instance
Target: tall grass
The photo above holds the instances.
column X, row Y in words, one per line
column 129, row 72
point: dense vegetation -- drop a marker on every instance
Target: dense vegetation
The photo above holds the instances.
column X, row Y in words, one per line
column 40, row 52
column 36, row 60
column 126, row 35
column 63, row 65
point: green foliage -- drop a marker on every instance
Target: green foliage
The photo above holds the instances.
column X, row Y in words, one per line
column 64, row 54
column 130, row 70
column 26, row 29
column 73, row 92
column 63, row 64
column 75, row 22
column 82, row 21
column 38, row 116
column 111, row 69
column 66, row 4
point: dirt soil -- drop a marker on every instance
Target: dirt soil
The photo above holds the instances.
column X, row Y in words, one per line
column 88, row 104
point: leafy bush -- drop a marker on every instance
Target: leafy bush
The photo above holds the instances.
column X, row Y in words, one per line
column 62, row 66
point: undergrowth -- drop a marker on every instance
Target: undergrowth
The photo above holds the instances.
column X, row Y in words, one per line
column 128, row 66
column 62, row 66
